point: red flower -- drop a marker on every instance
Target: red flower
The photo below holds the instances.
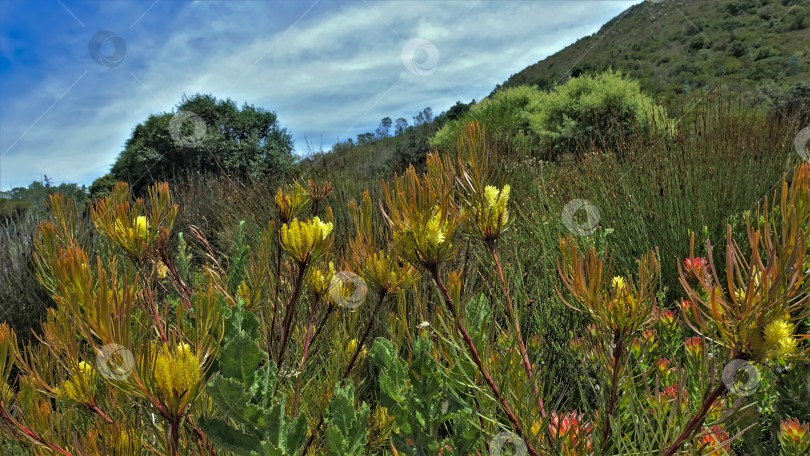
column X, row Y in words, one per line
column 695, row 265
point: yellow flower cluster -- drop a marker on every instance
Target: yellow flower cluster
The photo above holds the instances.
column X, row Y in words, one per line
column 139, row 228
column 162, row 270
column 288, row 205
column 176, row 372
column 81, row 385
column 305, row 240
column 491, row 217
column 320, row 280
column 779, row 338
column 426, row 242
column 618, row 283
column 384, row 274
column 6, row 394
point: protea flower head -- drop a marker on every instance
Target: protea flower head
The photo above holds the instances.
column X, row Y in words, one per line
column 80, row 387
column 304, row 241
column 794, row 437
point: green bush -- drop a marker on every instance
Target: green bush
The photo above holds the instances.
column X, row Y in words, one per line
column 505, row 114
column 585, row 110
column 588, row 110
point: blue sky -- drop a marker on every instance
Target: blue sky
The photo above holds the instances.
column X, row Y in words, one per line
column 329, row 69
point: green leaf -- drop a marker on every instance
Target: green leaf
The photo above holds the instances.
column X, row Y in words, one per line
column 346, row 431
column 234, row 402
column 226, row 437
column 295, row 436
column 240, row 357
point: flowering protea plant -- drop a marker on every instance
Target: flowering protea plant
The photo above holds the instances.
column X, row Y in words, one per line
column 413, row 335
column 794, row 437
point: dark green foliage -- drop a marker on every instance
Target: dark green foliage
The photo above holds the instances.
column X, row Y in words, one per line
column 795, row 101
column 243, row 389
column 246, row 141
column 430, row 416
column 34, row 198
column 346, row 430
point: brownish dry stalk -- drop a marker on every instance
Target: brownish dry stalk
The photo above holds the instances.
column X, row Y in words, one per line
column 465, row 335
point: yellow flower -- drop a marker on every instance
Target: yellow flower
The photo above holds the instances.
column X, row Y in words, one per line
column 80, row 387
column 141, row 227
column 243, row 292
column 618, row 283
column 6, row 394
column 434, row 231
column 351, row 347
column 290, row 204
column 162, row 270
column 176, row 372
column 491, row 216
column 779, row 338
column 305, row 240
column 320, row 280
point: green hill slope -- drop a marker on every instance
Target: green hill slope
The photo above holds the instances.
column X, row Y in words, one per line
column 674, row 46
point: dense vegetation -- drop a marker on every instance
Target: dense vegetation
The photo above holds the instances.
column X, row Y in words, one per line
column 675, row 46
column 584, row 270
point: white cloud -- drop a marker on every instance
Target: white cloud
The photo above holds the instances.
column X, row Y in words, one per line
column 321, row 77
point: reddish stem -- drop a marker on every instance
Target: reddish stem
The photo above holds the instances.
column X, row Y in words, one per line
column 527, row 366
column 323, row 322
column 272, row 336
column 30, row 434
column 696, row 420
column 285, row 327
column 94, row 408
column 348, row 368
column 153, row 305
column 304, row 358
column 465, row 335
column 614, row 391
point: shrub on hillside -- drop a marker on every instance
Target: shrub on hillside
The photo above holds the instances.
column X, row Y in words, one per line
column 586, row 110
column 505, row 114
column 599, row 109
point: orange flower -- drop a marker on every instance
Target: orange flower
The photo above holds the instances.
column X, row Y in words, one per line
column 794, row 437
column 714, row 443
column 571, row 432
column 694, row 347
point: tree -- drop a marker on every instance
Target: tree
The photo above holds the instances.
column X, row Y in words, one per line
column 401, row 125
column 427, row 113
column 365, row 138
column 384, row 130
column 205, row 135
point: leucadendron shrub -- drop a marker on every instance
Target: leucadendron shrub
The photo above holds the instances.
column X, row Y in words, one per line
column 377, row 343
column 590, row 110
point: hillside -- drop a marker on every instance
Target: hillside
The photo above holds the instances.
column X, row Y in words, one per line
column 674, row 46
